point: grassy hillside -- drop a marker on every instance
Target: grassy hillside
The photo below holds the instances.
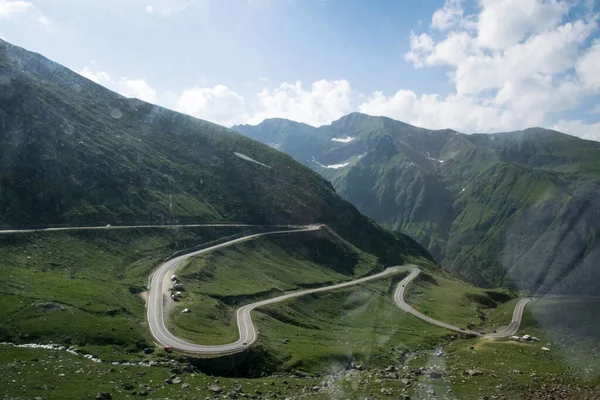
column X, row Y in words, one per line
column 75, row 153
column 507, row 370
column 85, row 287
column 93, row 303
column 53, row 374
column 327, row 330
column 448, row 299
column 50, row 280
column 518, row 209
column 331, row 330
column 219, row 282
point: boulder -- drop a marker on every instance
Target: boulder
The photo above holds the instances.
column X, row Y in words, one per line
column 386, row 391
column 238, row 389
column 434, row 374
column 215, row 389
column 474, row 372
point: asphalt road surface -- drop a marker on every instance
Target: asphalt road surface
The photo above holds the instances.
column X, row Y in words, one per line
column 247, row 332
column 513, row 327
column 129, row 227
column 158, row 295
column 505, row 332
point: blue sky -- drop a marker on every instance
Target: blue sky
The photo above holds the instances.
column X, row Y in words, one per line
column 471, row 65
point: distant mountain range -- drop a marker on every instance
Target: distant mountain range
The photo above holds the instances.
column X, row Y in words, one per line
column 520, row 209
column 75, row 153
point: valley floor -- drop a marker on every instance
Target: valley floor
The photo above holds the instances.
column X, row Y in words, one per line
column 345, row 344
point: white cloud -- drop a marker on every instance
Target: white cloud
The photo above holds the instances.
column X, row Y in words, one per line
column 42, row 19
column 149, row 9
column 504, row 23
column 101, row 78
column 588, row 67
column 540, row 95
column 549, row 53
column 218, row 104
column 453, row 111
column 324, row 102
column 138, row 88
column 519, row 63
column 447, row 16
column 10, row 9
column 420, row 46
column 579, row 128
column 320, row 104
column 451, row 51
column 512, row 64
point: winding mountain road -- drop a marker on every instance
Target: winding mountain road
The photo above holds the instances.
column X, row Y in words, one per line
column 158, row 293
column 159, row 289
column 158, row 296
column 247, row 331
column 513, row 327
column 505, row 332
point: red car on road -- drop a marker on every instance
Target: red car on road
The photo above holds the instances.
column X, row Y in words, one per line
column 168, row 349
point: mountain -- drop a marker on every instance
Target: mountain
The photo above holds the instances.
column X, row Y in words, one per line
column 520, row 209
column 75, row 153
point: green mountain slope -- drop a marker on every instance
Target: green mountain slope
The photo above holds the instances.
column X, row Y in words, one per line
column 520, row 209
column 75, row 153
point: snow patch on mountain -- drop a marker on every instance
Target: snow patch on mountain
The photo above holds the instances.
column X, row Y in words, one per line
column 347, row 139
column 245, row 157
column 332, row 166
column 435, row 159
column 336, row 166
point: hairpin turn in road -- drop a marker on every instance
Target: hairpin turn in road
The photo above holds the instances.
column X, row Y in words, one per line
column 158, row 295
